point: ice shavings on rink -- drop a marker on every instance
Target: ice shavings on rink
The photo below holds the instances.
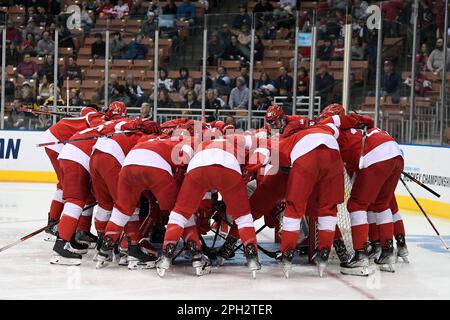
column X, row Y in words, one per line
column 25, row 271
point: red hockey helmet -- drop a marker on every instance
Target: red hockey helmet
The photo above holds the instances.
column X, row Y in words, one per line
column 86, row 110
column 331, row 110
column 116, row 110
column 275, row 117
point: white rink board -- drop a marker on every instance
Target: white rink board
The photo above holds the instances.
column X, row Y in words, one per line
column 25, row 271
column 19, row 152
column 431, row 165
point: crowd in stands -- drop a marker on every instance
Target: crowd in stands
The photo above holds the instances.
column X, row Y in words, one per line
column 30, row 49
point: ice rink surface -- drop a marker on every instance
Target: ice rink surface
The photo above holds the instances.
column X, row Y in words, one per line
column 25, row 271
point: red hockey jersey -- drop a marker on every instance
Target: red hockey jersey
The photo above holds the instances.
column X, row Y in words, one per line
column 67, row 127
column 119, row 145
column 80, row 151
column 165, row 154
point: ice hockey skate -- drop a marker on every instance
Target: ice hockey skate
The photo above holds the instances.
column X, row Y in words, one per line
column 165, row 260
column 105, row 254
column 358, row 265
column 63, row 254
column 341, row 251
column 374, row 250
column 87, row 238
column 286, row 262
column 386, row 261
column 138, row 259
column 402, row 248
column 200, row 262
column 251, row 256
column 227, row 250
column 52, row 232
column 321, row 260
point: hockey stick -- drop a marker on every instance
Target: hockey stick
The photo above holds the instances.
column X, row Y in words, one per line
column 48, row 113
column 421, row 184
column 242, row 244
column 28, row 236
column 426, row 216
column 84, row 138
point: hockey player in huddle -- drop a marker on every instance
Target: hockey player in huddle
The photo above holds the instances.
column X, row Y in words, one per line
column 105, row 164
column 74, row 161
column 376, row 162
column 152, row 166
column 216, row 164
column 63, row 130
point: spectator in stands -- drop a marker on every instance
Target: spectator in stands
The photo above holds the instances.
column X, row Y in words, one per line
column 259, row 49
column 216, row 50
column 284, row 83
column 324, row 84
column 46, row 45
column 268, row 90
column 154, row 8
column 136, row 49
column 243, row 72
column 435, row 61
column 72, row 70
column 134, row 91
column 86, row 21
column 43, row 121
column 358, row 51
column 98, row 48
column 222, row 82
column 29, row 45
column 149, row 26
column 391, row 11
column 120, row 9
column 239, row 95
column 112, row 87
column 164, row 81
column 41, row 17
column 242, row 18
column 338, row 50
column 263, row 6
column 264, row 79
column 190, row 85
column 186, row 11
column 423, row 84
column 225, row 35
column 191, row 100
column 13, row 34
column 325, row 51
column 146, row 111
column 75, row 98
column 45, row 89
column 117, row 46
column 27, row 97
column 46, row 68
column 244, row 39
column 390, row 81
column 170, row 8
column 119, row 93
column 164, row 100
column 303, row 82
column 12, row 54
column 30, row 15
column 360, row 9
column 31, row 28
column 261, row 101
column 232, row 52
column 212, row 101
column 27, row 69
column 14, row 117
column 105, row 9
column 183, row 75
column 138, row 11
column 422, row 56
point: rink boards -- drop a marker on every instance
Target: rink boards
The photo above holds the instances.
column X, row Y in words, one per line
column 22, row 161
